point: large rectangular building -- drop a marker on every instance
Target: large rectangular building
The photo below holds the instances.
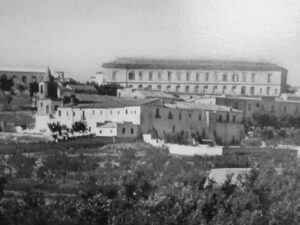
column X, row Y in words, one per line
column 23, row 76
column 278, row 106
column 137, row 116
column 198, row 77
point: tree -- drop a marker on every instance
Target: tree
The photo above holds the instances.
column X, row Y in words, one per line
column 79, row 126
column 107, row 89
column 5, row 84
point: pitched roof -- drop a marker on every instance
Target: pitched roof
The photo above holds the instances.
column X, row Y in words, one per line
column 143, row 63
column 109, row 125
column 154, row 94
column 47, row 76
column 112, row 102
column 196, row 105
column 82, row 88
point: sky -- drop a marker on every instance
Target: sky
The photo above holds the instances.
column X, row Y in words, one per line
column 77, row 36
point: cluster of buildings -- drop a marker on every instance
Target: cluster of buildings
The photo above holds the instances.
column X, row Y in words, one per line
column 164, row 97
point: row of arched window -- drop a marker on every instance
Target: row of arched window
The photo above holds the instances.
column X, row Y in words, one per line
column 216, row 89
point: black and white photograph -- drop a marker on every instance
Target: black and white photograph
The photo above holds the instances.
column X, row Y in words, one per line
column 149, row 112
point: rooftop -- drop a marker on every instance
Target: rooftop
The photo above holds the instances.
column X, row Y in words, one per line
column 25, row 70
column 144, row 63
column 195, row 105
column 154, row 94
column 111, row 102
column 82, row 88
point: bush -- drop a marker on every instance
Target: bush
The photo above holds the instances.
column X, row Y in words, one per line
column 79, row 126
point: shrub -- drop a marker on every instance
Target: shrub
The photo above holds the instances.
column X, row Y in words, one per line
column 79, row 126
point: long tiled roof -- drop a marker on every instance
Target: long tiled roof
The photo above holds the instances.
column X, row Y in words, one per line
column 112, row 102
column 154, row 94
column 143, row 63
column 82, row 88
column 194, row 105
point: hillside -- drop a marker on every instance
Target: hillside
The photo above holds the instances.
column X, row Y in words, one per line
column 139, row 184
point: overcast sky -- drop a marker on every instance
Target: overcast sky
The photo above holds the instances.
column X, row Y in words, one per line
column 77, row 36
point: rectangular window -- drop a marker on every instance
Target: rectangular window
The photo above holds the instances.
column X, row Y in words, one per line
column 178, row 74
column 140, row 75
column 197, row 76
column 253, row 77
column 233, row 118
column 173, row 129
column 169, row 76
column 114, row 75
column 131, row 75
column 244, row 78
column 269, row 77
column 150, row 76
column 132, row 131
column 225, row 77
column 249, row 107
column 123, row 130
column 74, row 114
column 59, row 113
column 220, row 118
column 188, row 75
column 207, row 76
column 159, row 76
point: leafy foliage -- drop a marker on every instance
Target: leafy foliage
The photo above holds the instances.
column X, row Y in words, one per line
column 139, row 184
column 79, row 126
column 107, row 89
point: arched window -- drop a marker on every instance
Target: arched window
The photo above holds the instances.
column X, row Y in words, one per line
column 150, row 86
column 197, row 89
column 24, row 79
column 159, row 87
column 276, row 91
column 243, row 90
column 233, row 89
column 205, row 89
column 177, row 88
column 47, row 109
column 140, row 86
column 169, row 88
column 252, row 90
column 42, row 89
column 170, row 116
column 187, row 88
column 215, row 89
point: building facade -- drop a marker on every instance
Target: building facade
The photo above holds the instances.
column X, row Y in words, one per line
column 283, row 106
column 23, row 76
column 146, row 115
column 198, row 77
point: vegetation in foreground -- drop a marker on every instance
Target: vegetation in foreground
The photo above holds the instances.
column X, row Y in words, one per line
column 139, row 184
